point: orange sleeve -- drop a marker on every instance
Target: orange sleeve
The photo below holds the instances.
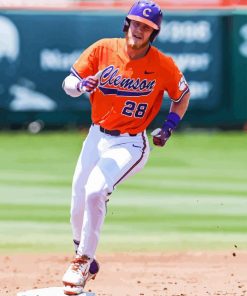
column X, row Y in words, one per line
column 87, row 63
column 177, row 85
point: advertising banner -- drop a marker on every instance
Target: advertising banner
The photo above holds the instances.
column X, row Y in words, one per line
column 37, row 50
column 239, row 66
column 195, row 43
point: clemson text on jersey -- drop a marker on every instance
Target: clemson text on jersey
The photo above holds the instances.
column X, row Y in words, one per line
column 111, row 82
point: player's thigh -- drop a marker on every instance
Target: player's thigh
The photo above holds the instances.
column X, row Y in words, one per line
column 88, row 158
column 120, row 162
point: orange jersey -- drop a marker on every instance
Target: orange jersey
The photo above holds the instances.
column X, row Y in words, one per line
column 130, row 92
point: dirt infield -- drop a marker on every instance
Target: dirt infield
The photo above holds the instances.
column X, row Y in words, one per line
column 155, row 274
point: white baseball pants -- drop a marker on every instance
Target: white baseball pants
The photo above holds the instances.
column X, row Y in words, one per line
column 104, row 162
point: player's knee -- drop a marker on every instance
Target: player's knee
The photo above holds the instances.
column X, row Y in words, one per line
column 76, row 213
column 77, row 206
column 96, row 197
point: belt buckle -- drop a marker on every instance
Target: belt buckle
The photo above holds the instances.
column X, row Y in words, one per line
column 109, row 132
column 115, row 133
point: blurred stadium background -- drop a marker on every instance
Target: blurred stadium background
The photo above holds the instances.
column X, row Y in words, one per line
column 191, row 195
column 39, row 41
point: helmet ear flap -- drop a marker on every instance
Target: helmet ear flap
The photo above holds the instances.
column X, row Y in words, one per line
column 154, row 35
column 126, row 25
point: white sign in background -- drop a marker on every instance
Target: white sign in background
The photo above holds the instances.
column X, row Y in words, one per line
column 243, row 44
column 187, row 32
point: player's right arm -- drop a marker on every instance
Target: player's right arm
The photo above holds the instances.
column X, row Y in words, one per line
column 74, row 87
column 83, row 78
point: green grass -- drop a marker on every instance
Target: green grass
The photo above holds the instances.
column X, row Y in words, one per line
column 192, row 195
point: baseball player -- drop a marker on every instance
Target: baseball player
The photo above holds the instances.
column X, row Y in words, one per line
column 126, row 79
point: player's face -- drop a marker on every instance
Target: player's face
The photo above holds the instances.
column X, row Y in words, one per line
column 138, row 35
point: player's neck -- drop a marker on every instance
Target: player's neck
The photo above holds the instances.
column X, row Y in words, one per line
column 135, row 54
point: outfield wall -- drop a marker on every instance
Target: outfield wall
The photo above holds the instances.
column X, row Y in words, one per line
column 37, row 49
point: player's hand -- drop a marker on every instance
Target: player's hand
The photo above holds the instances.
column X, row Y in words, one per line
column 88, row 84
column 160, row 136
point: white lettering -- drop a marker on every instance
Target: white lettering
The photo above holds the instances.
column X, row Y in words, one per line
column 186, row 31
column 243, row 46
column 192, row 61
column 55, row 60
column 200, row 89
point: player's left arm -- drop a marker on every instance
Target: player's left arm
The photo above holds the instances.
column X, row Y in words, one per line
column 181, row 106
column 179, row 92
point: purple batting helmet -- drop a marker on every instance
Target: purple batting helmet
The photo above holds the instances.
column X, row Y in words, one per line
column 147, row 12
